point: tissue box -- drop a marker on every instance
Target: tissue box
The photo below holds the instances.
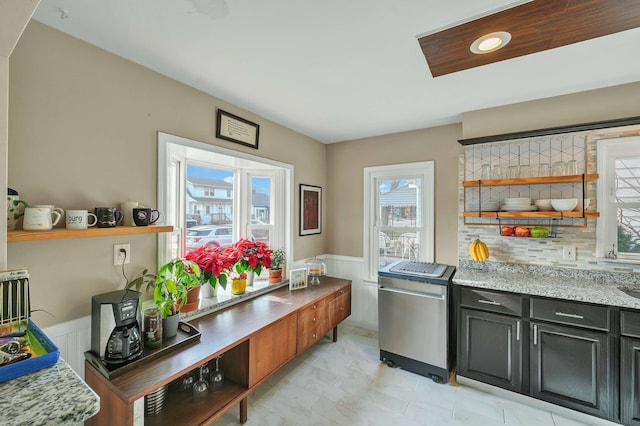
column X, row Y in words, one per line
column 14, row 316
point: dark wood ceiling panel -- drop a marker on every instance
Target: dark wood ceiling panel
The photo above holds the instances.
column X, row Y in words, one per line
column 535, row 26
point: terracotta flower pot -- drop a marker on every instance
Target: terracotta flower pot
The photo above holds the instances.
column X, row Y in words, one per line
column 275, row 275
column 193, row 300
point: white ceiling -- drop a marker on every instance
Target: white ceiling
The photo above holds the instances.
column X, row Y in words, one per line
column 334, row 70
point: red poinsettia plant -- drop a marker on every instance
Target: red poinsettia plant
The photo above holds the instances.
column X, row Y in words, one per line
column 249, row 256
column 214, row 265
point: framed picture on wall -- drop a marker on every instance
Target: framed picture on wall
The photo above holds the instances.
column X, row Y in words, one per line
column 236, row 129
column 310, row 209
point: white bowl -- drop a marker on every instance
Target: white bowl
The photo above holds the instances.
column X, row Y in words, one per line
column 578, row 208
column 544, row 205
column 563, row 205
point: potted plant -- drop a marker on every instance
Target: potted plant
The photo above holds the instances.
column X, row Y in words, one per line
column 214, row 266
column 173, row 281
column 277, row 261
column 248, row 257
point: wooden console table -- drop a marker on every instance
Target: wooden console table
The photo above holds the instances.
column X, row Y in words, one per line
column 258, row 337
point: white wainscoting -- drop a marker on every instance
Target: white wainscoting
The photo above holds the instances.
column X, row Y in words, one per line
column 74, row 337
column 364, row 294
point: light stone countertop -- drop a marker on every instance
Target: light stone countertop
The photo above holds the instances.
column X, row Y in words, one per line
column 54, row 395
column 583, row 286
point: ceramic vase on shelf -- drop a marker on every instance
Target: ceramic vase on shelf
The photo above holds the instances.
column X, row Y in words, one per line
column 208, row 291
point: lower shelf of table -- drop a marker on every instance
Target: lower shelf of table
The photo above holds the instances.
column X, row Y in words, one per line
column 180, row 409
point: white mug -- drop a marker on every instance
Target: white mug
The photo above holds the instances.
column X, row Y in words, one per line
column 40, row 218
column 79, row 219
column 127, row 211
column 52, row 208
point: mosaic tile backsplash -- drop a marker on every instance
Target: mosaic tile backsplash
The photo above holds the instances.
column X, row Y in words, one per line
column 580, row 146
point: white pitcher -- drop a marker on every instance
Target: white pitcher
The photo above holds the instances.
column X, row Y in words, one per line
column 40, row 218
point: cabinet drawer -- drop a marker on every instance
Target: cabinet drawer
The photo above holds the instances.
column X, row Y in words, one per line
column 504, row 303
column 630, row 323
column 572, row 313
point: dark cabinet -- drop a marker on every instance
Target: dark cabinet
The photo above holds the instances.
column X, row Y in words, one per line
column 630, row 368
column 572, row 367
column 490, row 348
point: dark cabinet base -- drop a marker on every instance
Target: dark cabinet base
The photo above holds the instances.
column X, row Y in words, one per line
column 630, row 381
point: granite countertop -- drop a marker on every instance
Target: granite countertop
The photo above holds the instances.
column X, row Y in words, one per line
column 50, row 396
column 583, row 286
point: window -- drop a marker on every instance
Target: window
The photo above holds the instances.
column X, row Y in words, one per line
column 214, row 196
column 618, row 229
column 398, row 205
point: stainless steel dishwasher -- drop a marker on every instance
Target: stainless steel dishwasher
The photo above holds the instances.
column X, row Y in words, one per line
column 416, row 329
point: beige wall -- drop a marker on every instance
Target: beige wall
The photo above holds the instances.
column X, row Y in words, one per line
column 82, row 133
column 584, row 107
column 345, row 164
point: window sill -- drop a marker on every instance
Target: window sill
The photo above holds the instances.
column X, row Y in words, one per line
column 619, row 261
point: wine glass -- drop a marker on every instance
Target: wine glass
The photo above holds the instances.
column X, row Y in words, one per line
column 217, row 377
column 200, row 388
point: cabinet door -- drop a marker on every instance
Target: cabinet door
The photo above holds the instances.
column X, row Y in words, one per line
column 571, row 367
column 340, row 308
column 490, row 349
column 272, row 348
column 630, row 381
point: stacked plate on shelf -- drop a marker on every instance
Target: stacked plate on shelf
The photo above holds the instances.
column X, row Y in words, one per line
column 517, row 205
column 486, row 206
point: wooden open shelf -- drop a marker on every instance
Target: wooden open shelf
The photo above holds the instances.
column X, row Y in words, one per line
column 63, row 233
column 531, row 181
column 533, row 215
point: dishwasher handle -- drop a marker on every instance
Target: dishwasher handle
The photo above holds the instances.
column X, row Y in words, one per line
column 413, row 293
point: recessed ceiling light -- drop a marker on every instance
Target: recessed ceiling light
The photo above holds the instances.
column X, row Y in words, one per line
column 490, row 42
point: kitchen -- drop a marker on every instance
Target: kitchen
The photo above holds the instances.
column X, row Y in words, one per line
column 71, row 88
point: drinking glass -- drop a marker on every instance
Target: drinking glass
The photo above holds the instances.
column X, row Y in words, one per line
column 200, row 388
column 512, row 172
column 559, row 168
column 498, row 173
column 524, row 171
column 217, row 377
column 186, row 384
column 572, row 167
column 543, row 169
column 485, row 173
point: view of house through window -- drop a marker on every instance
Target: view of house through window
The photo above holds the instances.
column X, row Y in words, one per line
column 618, row 228
column 399, row 214
column 214, row 197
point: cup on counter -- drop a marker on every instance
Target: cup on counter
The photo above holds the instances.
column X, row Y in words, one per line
column 152, row 325
column 127, row 210
column 108, row 217
column 40, row 219
column 80, row 219
column 143, row 216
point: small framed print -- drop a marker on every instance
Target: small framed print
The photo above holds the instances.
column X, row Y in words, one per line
column 297, row 279
column 236, row 129
column 310, row 209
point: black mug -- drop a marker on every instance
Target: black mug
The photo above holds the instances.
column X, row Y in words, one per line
column 143, row 216
column 108, row 217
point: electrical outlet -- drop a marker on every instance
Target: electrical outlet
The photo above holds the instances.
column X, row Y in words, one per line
column 568, row 253
column 119, row 257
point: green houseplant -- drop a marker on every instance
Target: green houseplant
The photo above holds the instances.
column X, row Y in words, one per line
column 277, row 261
column 173, row 281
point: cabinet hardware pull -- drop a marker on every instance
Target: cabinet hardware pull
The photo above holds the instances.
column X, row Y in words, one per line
column 489, row 302
column 413, row 293
column 535, row 334
column 562, row 314
column 518, row 331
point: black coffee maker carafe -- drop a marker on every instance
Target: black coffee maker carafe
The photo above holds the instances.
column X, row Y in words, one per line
column 115, row 327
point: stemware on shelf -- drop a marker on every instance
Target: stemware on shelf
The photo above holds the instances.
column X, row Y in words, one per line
column 217, row 377
column 200, row 387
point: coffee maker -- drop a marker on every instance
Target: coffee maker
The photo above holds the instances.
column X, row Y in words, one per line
column 115, row 327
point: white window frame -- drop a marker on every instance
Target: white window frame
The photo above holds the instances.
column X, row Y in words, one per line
column 606, row 228
column 175, row 148
column 423, row 170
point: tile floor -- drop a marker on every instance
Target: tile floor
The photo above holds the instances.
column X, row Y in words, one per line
column 345, row 383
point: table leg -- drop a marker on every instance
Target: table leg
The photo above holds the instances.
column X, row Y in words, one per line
column 243, row 410
column 335, row 333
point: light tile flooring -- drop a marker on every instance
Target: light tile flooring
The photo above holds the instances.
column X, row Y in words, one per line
column 345, row 383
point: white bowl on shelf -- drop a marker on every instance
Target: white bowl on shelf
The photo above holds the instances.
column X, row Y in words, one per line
column 587, row 202
column 544, row 205
column 564, row 204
